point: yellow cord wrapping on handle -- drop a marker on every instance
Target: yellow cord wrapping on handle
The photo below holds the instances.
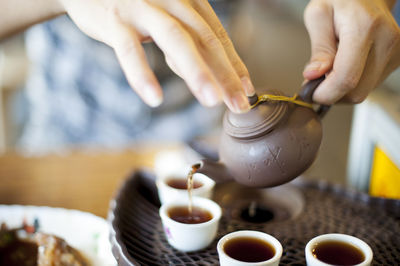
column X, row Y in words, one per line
column 271, row 97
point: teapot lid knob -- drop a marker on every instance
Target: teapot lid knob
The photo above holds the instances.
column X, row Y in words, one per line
column 253, row 99
column 258, row 121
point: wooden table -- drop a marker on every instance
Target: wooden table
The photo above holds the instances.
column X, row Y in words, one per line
column 78, row 180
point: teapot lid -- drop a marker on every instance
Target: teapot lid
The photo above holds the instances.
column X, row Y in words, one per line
column 259, row 120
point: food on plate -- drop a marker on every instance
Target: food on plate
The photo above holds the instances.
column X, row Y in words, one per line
column 26, row 246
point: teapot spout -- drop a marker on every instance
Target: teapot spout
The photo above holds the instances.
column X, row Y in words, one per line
column 217, row 171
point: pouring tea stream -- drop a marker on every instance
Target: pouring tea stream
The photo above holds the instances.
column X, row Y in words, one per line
column 270, row 145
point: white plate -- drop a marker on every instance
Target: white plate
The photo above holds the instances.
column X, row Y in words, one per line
column 84, row 231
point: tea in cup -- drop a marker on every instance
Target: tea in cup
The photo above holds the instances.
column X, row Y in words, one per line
column 190, row 231
column 173, row 187
column 337, row 249
column 242, row 248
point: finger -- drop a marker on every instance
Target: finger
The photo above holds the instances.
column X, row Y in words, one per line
column 318, row 18
column 177, row 44
column 347, row 70
column 379, row 64
column 172, row 66
column 393, row 46
column 368, row 81
column 388, row 70
column 207, row 13
column 213, row 53
column 132, row 58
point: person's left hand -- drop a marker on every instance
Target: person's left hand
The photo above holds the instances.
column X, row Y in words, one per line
column 195, row 45
column 356, row 43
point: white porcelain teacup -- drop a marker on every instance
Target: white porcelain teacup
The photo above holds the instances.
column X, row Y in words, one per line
column 167, row 192
column 190, row 237
column 233, row 243
column 361, row 251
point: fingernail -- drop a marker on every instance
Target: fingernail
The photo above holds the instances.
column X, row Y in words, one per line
column 313, row 66
column 240, row 103
column 151, row 97
column 209, row 95
column 248, row 86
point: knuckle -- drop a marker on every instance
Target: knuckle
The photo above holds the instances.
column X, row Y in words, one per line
column 113, row 12
column 222, row 35
column 174, row 29
column 348, row 83
column 372, row 25
column 344, row 81
column 372, row 22
column 215, row 38
column 323, row 52
column 200, row 79
column 191, row 2
column 226, row 80
column 126, row 48
column 228, row 83
column 239, row 66
column 210, row 40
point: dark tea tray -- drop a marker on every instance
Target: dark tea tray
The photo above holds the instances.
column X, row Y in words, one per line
column 137, row 236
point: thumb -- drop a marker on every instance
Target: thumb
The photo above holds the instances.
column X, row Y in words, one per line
column 318, row 19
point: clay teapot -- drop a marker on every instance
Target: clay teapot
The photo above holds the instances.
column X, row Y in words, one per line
column 272, row 144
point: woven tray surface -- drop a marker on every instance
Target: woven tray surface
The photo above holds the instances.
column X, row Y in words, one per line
column 137, row 235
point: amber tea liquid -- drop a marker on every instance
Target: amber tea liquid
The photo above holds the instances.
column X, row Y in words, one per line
column 180, row 183
column 195, row 216
column 188, row 214
column 249, row 249
column 338, row 253
column 190, row 185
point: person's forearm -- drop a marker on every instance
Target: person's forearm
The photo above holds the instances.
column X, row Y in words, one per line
column 17, row 15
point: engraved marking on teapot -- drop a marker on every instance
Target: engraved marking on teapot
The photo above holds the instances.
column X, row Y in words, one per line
column 267, row 162
column 275, row 157
column 303, row 146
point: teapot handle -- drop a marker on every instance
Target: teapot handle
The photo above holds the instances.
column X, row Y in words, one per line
column 307, row 92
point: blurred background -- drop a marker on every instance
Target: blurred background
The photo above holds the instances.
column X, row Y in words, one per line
column 57, row 94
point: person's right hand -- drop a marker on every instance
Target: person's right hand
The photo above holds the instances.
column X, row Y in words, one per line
column 355, row 43
column 194, row 43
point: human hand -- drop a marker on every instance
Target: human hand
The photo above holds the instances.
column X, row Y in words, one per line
column 356, row 43
column 194, row 43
